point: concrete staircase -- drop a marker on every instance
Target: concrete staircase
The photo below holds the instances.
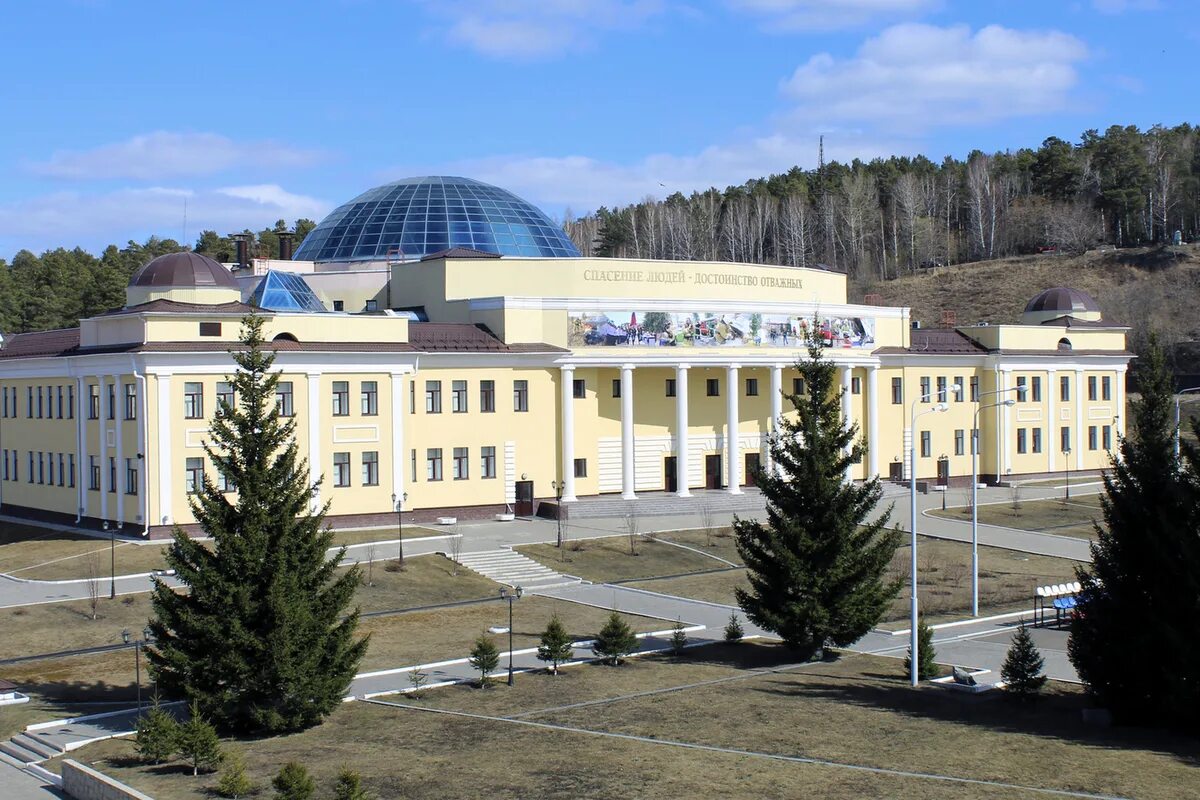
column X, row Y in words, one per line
column 30, row 748
column 654, row 504
column 507, row 566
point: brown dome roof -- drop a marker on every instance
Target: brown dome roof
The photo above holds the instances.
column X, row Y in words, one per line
column 1063, row 299
column 184, row 270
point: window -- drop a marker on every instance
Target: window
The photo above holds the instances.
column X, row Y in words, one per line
column 433, row 464
column 341, row 470
column 959, row 436
column 225, row 394
column 1064, row 436
column 616, row 387
column 29, row 402
column 412, row 397
column 31, row 471
column 1092, row 437
column 521, row 395
column 1037, row 389
column 487, row 397
column 487, row 462
column 283, row 399
column 4, row 391
column 130, row 401
column 70, row 402
column 1106, row 388
column 974, row 441
column 339, row 305
column 94, row 474
column 751, row 387
column 581, row 468
column 39, row 402
column 195, row 475
column 131, row 476
column 1064, row 388
column 670, row 387
column 62, row 470
column 712, row 387
column 958, row 390
column 579, row 388
column 458, row 397
column 210, row 329
column 59, row 396
column 372, row 305
column 93, row 401
column 412, row 463
column 1022, row 447
column 1022, row 389
column 6, row 451
column 370, row 468
column 1037, row 440
column 1091, row 387
column 897, row 391
column 341, row 398
column 926, row 444
column 460, row 467
column 112, row 474
column 112, row 401
column 798, row 386
column 224, row 484
column 41, row 469
column 941, row 390
column 71, row 470
column 433, row 397
column 1106, row 432
column 369, row 398
column 925, row 394
column 974, row 388
column 193, row 400
column 856, row 386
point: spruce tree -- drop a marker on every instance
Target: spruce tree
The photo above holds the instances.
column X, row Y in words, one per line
column 349, row 786
column 234, row 782
column 926, row 665
column 198, row 742
column 817, row 566
column 555, row 646
column 157, row 736
column 733, row 629
column 261, row 639
column 1133, row 638
column 1022, row 670
column 293, row 782
column 678, row 637
column 615, row 640
column 484, row 657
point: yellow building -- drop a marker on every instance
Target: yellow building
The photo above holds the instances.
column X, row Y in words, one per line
column 478, row 382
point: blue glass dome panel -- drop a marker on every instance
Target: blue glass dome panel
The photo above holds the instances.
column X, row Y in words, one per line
column 284, row 291
column 415, row 217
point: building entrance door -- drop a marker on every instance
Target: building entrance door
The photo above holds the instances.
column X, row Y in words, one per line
column 752, row 462
column 524, row 504
column 896, row 472
column 712, row 472
column 670, row 478
column 943, row 472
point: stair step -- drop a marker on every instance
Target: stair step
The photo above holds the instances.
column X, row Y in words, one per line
column 20, row 753
column 37, row 745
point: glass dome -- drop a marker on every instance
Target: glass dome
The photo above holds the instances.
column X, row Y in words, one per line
column 417, row 216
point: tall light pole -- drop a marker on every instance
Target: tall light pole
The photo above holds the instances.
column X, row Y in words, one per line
column 912, row 498
column 398, row 502
column 1066, row 451
column 975, row 498
column 557, row 486
column 510, row 596
column 112, row 554
column 1181, row 391
column 147, row 637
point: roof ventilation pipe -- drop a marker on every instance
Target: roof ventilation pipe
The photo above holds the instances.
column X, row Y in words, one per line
column 285, row 245
column 243, row 250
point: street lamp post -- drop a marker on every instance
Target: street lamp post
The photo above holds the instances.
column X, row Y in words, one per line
column 975, row 499
column 912, row 497
column 1181, row 391
column 508, row 595
column 557, row 486
column 112, row 561
column 398, row 502
column 1066, row 451
column 147, row 637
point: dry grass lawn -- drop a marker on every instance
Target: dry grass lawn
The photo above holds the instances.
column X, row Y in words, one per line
column 1042, row 516
column 855, row 711
column 609, row 559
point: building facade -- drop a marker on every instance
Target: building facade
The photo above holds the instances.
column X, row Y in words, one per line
column 479, row 382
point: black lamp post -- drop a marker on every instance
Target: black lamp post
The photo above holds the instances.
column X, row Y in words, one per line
column 510, row 595
column 399, row 503
column 112, row 553
column 558, row 510
column 1067, row 471
column 147, row 636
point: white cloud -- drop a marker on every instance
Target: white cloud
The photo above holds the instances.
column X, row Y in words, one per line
column 792, row 15
column 528, row 29
column 168, row 154
column 912, row 77
column 94, row 220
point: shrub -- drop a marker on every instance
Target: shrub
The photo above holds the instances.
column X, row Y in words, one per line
column 926, row 667
column 349, row 787
column 615, row 640
column 733, row 630
column 234, row 782
column 293, row 782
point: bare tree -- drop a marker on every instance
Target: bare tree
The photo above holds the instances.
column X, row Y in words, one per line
column 456, row 546
column 370, row 577
column 631, row 528
column 905, row 193
column 92, row 564
column 706, row 519
column 1015, row 498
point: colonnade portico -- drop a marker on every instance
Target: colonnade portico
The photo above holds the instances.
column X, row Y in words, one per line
column 729, row 444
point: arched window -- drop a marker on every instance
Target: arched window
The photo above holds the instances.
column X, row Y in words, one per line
column 1064, row 343
column 285, row 337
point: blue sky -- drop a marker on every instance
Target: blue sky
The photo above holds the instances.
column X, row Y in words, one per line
column 118, row 113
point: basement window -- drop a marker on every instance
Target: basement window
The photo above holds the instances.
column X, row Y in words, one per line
column 210, row 329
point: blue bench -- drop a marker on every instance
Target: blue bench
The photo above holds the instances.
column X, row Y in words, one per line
column 1060, row 597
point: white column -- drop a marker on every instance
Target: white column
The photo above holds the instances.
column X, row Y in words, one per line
column 398, row 459
column 776, row 407
column 872, row 421
column 166, row 471
column 1051, row 389
column 682, row 479
column 627, row 445
column 314, row 434
column 102, row 425
column 80, row 446
column 1080, row 419
column 1004, row 432
column 119, row 432
column 1120, row 411
column 567, row 379
column 847, row 413
column 732, row 451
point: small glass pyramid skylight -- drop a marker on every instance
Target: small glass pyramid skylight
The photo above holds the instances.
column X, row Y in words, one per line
column 284, row 291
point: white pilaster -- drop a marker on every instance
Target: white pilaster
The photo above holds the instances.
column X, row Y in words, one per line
column 80, row 447
column 119, row 432
column 567, row 379
column 847, row 413
column 314, row 435
column 627, row 444
column 732, row 451
column 1051, row 391
column 102, row 426
column 1079, row 428
column 872, row 422
column 398, row 459
column 166, row 472
column 776, row 408
column 682, row 478
column 1119, row 421
column 1005, row 432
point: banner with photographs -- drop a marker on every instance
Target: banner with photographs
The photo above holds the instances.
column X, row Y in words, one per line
column 706, row 329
